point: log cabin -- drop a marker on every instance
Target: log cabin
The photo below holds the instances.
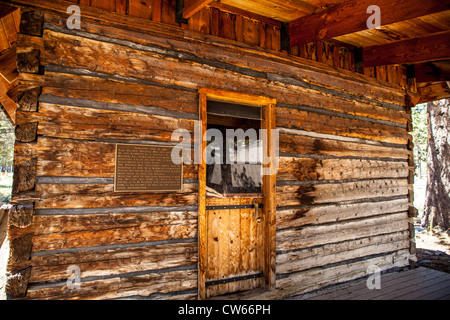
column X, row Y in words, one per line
column 96, row 90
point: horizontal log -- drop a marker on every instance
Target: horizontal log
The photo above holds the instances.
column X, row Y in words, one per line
column 107, row 210
column 223, row 50
column 48, row 190
column 304, row 237
column 97, row 196
column 129, row 232
column 307, row 145
column 304, row 169
column 116, row 286
column 197, row 77
column 114, row 106
column 341, row 106
column 291, row 117
column 183, row 73
column 93, row 87
column 340, row 191
column 297, row 261
column 72, row 158
column 335, row 213
column 27, row 42
column 76, row 123
column 53, row 267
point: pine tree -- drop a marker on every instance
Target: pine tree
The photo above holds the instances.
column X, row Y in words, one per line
column 437, row 200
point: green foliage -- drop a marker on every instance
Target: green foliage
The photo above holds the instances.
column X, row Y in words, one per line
column 6, row 141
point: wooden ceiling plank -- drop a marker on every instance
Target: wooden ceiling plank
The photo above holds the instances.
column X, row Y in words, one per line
column 6, row 10
column 8, row 104
column 281, row 10
column 227, row 8
column 417, row 50
column 10, row 28
column 351, row 16
column 191, row 7
column 8, row 68
column 432, row 91
column 431, row 72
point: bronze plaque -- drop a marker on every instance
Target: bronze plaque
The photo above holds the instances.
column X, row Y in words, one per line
column 141, row 168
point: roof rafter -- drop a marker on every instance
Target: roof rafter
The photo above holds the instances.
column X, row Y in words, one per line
column 193, row 6
column 428, row 48
column 351, row 16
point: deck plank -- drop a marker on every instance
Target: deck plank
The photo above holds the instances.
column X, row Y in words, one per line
column 415, row 284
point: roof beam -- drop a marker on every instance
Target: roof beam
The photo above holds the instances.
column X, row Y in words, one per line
column 428, row 48
column 351, row 16
column 191, row 7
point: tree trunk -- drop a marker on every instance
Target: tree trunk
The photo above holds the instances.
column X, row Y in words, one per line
column 437, row 200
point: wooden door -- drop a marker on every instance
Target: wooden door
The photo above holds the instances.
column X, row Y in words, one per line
column 236, row 242
column 235, row 245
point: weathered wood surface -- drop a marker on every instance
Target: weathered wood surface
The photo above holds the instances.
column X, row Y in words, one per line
column 235, row 246
column 76, row 122
column 21, row 216
column 307, row 169
column 88, row 196
column 340, row 191
column 111, row 229
column 272, row 63
column 342, row 188
column 139, row 284
column 296, row 118
column 76, row 158
column 314, row 144
column 291, row 217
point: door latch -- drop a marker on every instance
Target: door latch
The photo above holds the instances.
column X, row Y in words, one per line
column 256, row 215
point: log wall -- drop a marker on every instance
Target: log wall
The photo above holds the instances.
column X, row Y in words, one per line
column 343, row 187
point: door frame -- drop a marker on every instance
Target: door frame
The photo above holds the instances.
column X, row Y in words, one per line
column 269, row 183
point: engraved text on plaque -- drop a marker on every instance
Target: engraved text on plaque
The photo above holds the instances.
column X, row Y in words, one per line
column 146, row 168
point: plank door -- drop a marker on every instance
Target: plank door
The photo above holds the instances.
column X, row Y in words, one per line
column 236, row 241
column 235, row 245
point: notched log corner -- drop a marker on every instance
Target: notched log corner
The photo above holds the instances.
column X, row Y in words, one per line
column 28, row 61
column 21, row 216
column 32, row 23
column 20, row 251
column 24, row 178
column 17, row 283
column 27, row 100
column 26, row 132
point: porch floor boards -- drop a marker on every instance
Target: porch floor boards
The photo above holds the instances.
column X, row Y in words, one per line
column 414, row 284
